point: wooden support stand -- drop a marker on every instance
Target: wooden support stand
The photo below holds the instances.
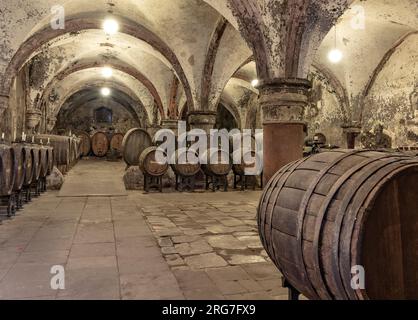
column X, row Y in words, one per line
column 294, row 294
column 9, row 203
column 19, row 199
column 35, row 188
column 185, row 183
column 247, row 182
column 216, row 182
column 153, row 182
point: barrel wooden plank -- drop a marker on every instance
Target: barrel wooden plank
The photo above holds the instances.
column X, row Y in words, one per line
column 99, row 144
column 116, row 142
column 7, row 171
column 134, row 143
column 85, row 143
column 20, row 167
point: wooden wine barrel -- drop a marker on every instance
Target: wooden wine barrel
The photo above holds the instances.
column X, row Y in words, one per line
column 184, row 169
column 148, row 164
column 37, row 162
column 19, row 166
column 224, row 165
column 247, row 168
column 99, row 144
column 133, row 144
column 85, row 143
column 44, row 162
column 61, row 145
column 322, row 215
column 7, row 170
column 51, row 159
column 29, row 158
column 116, row 142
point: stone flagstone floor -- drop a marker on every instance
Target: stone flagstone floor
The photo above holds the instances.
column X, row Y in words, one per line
column 142, row 246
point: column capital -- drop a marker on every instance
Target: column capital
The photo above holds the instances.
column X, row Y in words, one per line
column 283, row 100
column 202, row 119
column 33, row 117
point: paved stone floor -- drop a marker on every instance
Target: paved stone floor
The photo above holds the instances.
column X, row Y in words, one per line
column 141, row 246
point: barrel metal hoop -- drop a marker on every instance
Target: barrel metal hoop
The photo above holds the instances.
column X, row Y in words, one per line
column 388, row 173
column 327, row 201
column 304, row 205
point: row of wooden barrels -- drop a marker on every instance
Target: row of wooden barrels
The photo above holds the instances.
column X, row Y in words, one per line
column 100, row 143
column 140, row 150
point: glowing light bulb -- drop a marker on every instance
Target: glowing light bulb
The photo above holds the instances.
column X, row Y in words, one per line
column 255, row 83
column 110, row 26
column 335, row 56
column 105, row 92
column 107, row 72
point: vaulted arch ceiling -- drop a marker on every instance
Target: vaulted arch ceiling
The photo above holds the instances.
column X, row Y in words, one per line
column 178, row 30
column 386, row 25
column 92, row 95
column 86, row 78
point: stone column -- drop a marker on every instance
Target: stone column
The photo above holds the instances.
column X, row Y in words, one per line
column 283, row 103
column 171, row 124
column 351, row 132
column 202, row 120
column 33, row 117
column 50, row 123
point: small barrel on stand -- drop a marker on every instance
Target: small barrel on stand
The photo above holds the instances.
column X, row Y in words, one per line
column 153, row 171
column 217, row 169
column 246, row 173
column 134, row 143
column 185, row 171
column 7, row 178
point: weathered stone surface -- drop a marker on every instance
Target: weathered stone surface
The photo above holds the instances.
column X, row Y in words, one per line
column 55, row 180
column 226, row 242
column 133, row 179
column 208, row 260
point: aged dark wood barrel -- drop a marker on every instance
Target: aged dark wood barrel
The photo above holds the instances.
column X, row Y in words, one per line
column 51, row 159
column 37, row 162
column 44, row 162
column 19, row 166
column 184, row 169
column 99, row 144
column 116, row 142
column 148, row 164
column 61, row 145
column 7, row 170
column 85, row 143
column 224, row 165
column 247, row 168
column 133, row 144
column 29, row 158
column 322, row 215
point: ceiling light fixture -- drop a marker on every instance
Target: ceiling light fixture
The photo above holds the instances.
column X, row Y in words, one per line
column 110, row 26
column 335, row 55
column 255, row 83
column 107, row 72
column 105, row 92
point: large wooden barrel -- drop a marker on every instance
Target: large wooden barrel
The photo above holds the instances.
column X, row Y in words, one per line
column 29, row 158
column 323, row 215
column 85, row 143
column 249, row 168
column 116, row 142
column 37, row 162
column 224, row 165
column 44, row 162
column 100, row 144
column 61, row 145
column 184, row 169
column 148, row 164
column 7, row 170
column 19, row 166
column 51, row 159
column 133, row 144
